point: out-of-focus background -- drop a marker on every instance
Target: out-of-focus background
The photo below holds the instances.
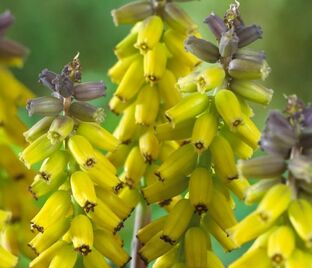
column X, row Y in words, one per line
column 55, row 30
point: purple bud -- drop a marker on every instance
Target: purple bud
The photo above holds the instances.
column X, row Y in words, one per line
column 9, row 48
column 178, row 19
column 305, row 138
column 248, row 35
column 275, row 147
column 132, row 12
column 89, row 91
column 249, row 69
column 46, row 77
column 46, row 106
column 301, row 168
column 86, row 112
column 216, row 25
column 228, row 43
column 63, row 85
column 263, row 167
column 248, row 54
column 6, row 20
column 202, row 49
column 307, row 116
column 278, row 135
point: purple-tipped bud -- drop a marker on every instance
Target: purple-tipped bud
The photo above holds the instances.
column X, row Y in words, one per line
column 274, row 146
column 228, row 43
column 249, row 69
column 305, row 139
column 248, row 54
column 46, row 106
column 264, row 167
column 89, row 91
column 178, row 19
column 86, row 112
column 216, row 25
column 301, row 168
column 46, row 78
column 202, row 49
column 278, row 135
column 63, row 85
column 248, row 35
column 6, row 20
column 132, row 12
column 307, row 117
column 9, row 48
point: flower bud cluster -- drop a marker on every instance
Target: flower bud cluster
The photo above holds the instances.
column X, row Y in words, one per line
column 150, row 60
column 206, row 130
column 282, row 222
column 14, row 177
column 83, row 211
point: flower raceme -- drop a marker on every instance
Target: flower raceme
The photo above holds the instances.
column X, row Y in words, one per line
column 206, row 124
column 282, row 221
column 14, row 177
column 206, row 130
column 83, row 211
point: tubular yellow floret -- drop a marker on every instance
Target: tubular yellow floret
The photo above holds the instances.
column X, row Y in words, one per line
column 187, row 108
column 149, row 146
column 82, row 151
column 229, row 108
column 147, row 106
column 81, row 233
column 179, row 162
column 223, row 158
column 97, row 136
column 56, row 207
column 155, row 61
column 177, row 221
column 83, row 190
column 195, row 247
column 134, row 167
column 110, row 248
column 204, row 130
column 38, row 150
column 200, row 189
column 281, row 244
column 149, row 34
column 210, row 79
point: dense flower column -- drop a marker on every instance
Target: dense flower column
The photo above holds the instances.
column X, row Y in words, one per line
column 14, row 177
column 282, row 223
column 83, row 212
column 213, row 123
column 150, row 60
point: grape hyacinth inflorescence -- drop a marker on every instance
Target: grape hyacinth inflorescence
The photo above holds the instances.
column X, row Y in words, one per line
column 83, row 212
column 211, row 126
column 282, row 223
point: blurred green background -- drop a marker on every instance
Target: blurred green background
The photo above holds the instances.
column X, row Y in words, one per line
column 55, row 30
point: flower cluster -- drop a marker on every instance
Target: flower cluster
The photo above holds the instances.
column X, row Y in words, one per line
column 151, row 58
column 83, row 212
column 210, row 126
column 282, row 222
column 14, row 177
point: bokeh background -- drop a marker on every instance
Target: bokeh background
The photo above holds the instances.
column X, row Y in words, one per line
column 55, row 30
